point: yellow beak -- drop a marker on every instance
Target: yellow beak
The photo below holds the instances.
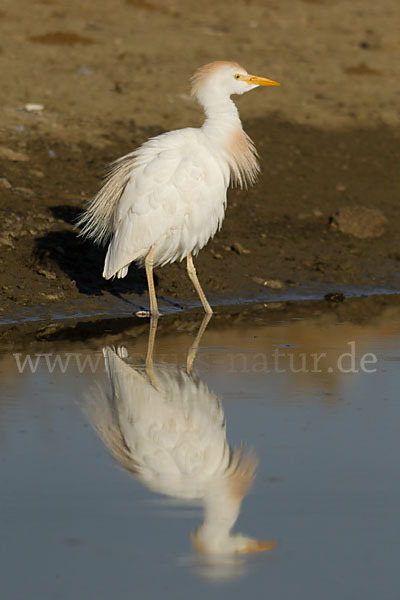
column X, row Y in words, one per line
column 256, row 80
column 260, row 546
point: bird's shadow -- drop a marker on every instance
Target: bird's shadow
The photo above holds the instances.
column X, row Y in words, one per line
column 81, row 260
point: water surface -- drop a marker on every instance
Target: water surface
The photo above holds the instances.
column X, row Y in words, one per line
column 119, row 479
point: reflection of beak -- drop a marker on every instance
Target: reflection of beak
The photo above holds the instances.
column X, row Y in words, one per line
column 256, row 80
column 259, row 546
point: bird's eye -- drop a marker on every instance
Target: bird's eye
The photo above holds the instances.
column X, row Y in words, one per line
column 237, row 76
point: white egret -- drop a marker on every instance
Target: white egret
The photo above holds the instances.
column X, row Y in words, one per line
column 165, row 200
column 164, row 426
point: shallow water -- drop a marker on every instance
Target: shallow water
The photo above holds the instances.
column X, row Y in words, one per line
column 79, row 523
column 111, row 304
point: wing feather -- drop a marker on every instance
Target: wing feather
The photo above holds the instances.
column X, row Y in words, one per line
column 168, row 186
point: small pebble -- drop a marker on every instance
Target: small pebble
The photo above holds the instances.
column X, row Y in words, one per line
column 36, row 173
column 258, row 280
column 334, row 297
column 84, row 70
column 274, row 284
column 31, row 107
column 272, row 305
column 359, row 221
column 47, row 274
column 6, row 242
column 5, row 184
column 25, row 191
column 58, row 296
column 239, row 249
column 9, row 154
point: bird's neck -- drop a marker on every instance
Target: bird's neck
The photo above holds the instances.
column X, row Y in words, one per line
column 222, row 120
column 221, row 511
column 223, row 129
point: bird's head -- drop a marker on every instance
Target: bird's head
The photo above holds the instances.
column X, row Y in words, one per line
column 220, row 79
column 222, row 506
column 203, row 543
column 228, row 561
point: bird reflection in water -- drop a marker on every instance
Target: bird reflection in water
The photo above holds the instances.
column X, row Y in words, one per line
column 164, row 426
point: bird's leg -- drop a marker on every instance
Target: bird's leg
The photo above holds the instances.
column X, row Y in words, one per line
column 150, row 350
column 148, row 263
column 193, row 278
column 195, row 346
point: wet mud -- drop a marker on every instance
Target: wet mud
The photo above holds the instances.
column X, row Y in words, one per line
column 116, row 329
column 280, row 235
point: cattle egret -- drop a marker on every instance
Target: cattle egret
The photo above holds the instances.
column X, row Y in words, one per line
column 165, row 200
column 165, row 427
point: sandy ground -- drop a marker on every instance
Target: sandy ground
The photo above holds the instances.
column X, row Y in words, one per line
column 109, row 74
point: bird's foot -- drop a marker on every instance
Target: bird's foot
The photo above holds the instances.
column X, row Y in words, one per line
column 122, row 352
column 145, row 314
column 142, row 313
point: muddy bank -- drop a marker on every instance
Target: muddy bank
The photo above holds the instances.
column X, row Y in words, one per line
column 280, row 230
column 106, row 330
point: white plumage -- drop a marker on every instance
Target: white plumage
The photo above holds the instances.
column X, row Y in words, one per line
column 165, row 200
column 174, row 433
column 168, row 202
column 168, row 430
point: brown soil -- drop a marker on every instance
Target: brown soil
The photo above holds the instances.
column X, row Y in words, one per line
column 328, row 138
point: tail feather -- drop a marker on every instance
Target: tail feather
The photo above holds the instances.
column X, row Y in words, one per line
column 119, row 274
column 97, row 222
column 122, row 273
column 111, row 269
